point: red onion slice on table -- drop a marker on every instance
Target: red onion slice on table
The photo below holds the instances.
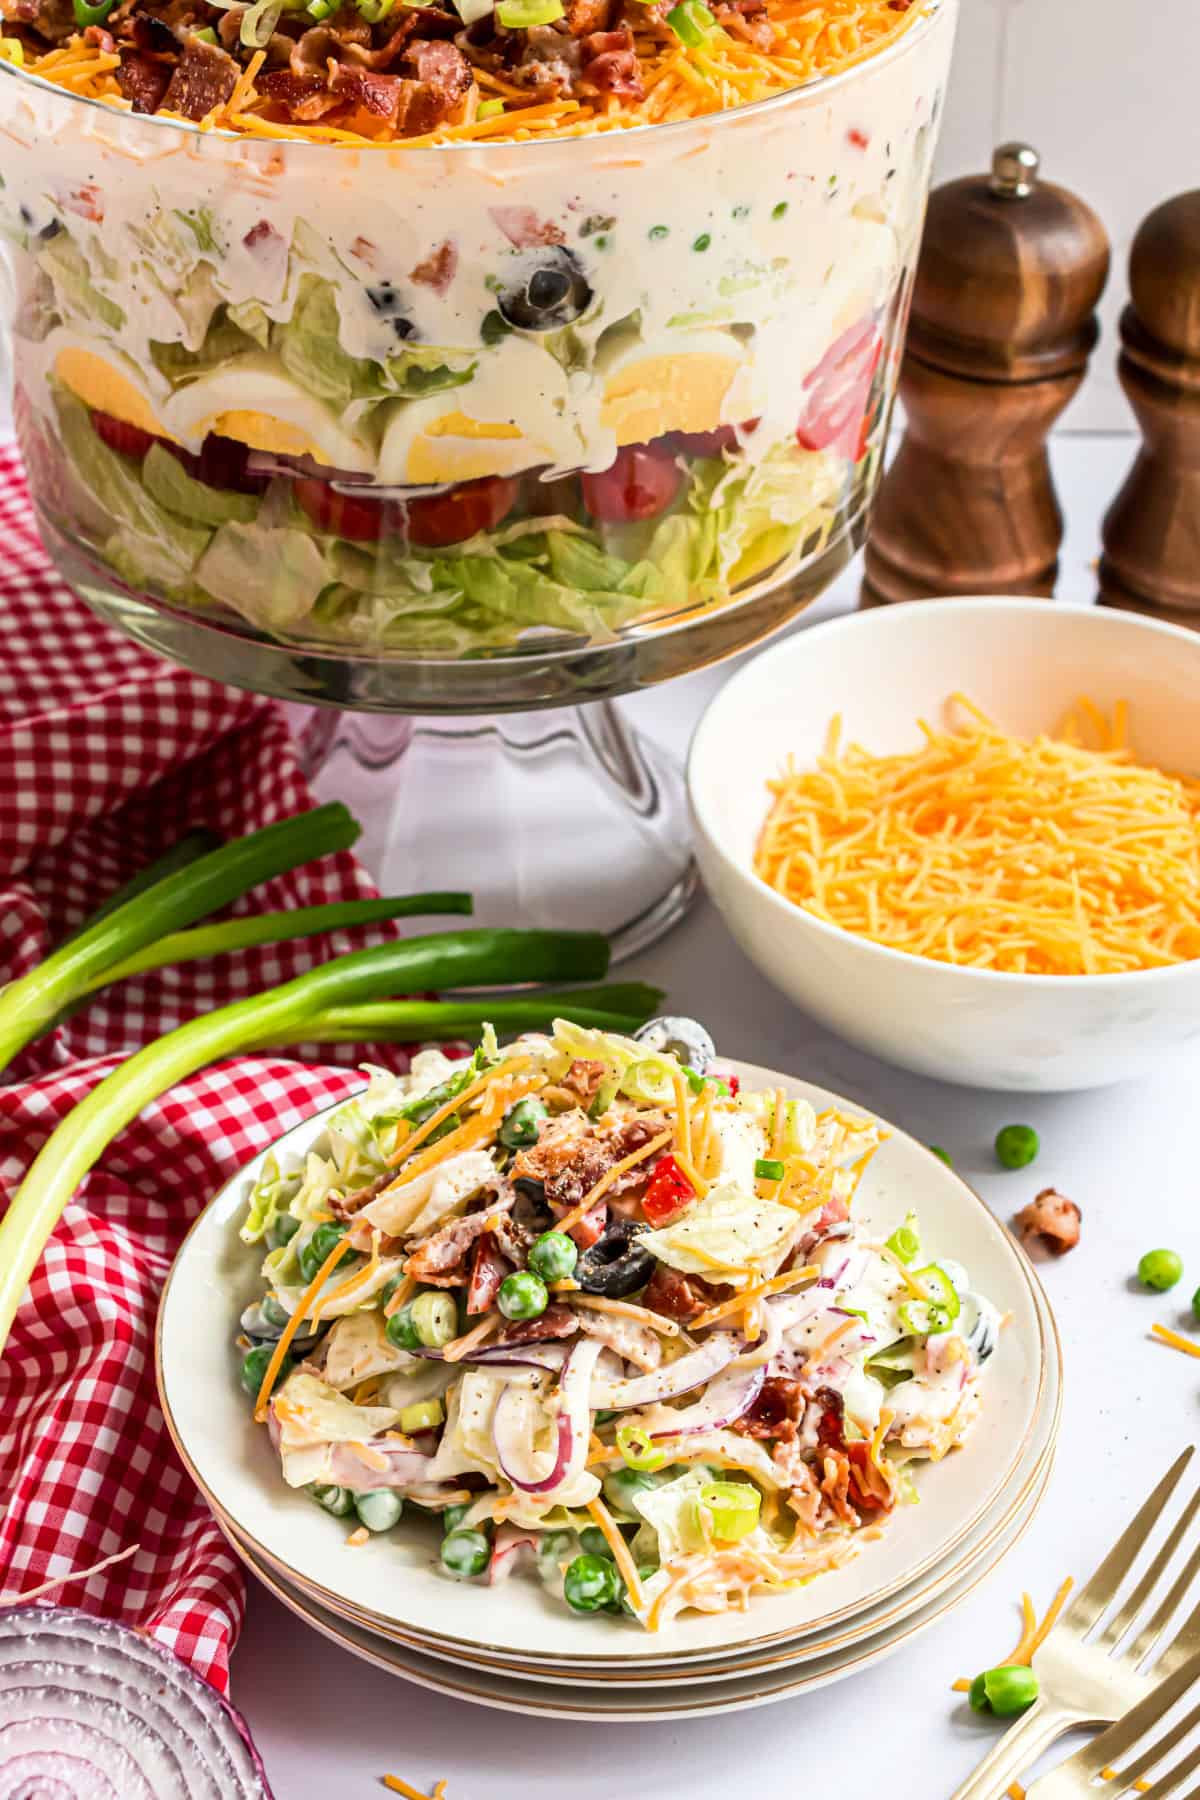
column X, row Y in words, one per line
column 90, row 1710
column 680, row 1377
column 730, row 1396
column 513, row 1421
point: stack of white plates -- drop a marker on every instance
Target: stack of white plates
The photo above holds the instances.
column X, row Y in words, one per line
column 512, row 1646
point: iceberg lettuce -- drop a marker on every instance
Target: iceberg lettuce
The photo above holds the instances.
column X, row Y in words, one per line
column 169, row 483
column 271, row 575
column 309, row 346
column 725, row 1233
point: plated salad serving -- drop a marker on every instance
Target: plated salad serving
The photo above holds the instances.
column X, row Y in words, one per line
column 599, row 1313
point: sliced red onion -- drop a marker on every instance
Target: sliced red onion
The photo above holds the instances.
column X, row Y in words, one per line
column 91, row 1710
column 512, row 1547
column 727, row 1400
column 521, row 1356
column 270, row 462
column 512, row 1426
column 680, row 1377
column 359, row 1474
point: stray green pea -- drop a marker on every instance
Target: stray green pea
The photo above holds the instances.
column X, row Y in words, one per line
column 1160, row 1269
column 1016, row 1146
column 465, row 1554
column 944, row 1154
column 658, row 232
column 1005, row 1691
column 702, row 242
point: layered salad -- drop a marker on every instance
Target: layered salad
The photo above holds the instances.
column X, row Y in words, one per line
column 603, row 1316
column 441, row 395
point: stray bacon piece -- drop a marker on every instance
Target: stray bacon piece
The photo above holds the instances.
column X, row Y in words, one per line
column 142, row 80
column 555, row 1322
column 584, row 1078
column 1050, row 1220
column 204, row 78
column 611, row 64
column 438, row 269
column 777, row 1411
column 583, row 17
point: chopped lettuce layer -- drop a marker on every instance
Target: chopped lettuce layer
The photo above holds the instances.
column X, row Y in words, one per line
column 263, row 559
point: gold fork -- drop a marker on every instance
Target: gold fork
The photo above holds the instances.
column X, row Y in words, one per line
column 1078, row 1777
column 1088, row 1674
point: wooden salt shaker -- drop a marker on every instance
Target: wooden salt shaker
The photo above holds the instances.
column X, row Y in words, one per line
column 1003, row 322
column 1151, row 560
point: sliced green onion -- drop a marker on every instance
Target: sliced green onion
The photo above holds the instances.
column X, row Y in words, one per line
column 519, row 15
column 205, row 36
column 31, row 1003
column 638, row 1450
column 277, row 928
column 924, row 1318
column 731, row 1508
column 939, row 1289
column 86, row 15
column 422, row 1415
column 435, row 1318
column 259, row 22
column 322, row 9
column 905, row 1241
column 768, row 1169
column 649, row 1080
column 374, row 10
column 489, row 109
column 691, row 22
column 441, row 960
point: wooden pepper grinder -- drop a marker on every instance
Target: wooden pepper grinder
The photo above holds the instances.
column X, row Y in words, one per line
column 1151, row 560
column 1003, row 321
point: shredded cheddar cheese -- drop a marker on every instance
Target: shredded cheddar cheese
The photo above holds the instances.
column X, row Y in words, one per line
column 1048, row 856
column 812, row 39
column 620, row 1549
column 407, row 1143
column 1033, row 1635
column 396, row 1784
column 284, row 1340
column 1174, row 1341
column 571, row 1219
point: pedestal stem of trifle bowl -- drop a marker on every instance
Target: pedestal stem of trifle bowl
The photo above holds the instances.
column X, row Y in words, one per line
column 453, row 443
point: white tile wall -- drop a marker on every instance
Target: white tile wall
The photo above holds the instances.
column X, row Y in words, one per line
column 1107, row 92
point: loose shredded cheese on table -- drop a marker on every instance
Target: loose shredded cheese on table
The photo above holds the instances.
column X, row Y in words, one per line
column 1173, row 1340
column 396, row 1784
column 1036, row 857
column 813, row 39
column 1033, row 1635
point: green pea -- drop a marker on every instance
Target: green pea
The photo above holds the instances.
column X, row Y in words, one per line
column 379, row 1509
column 779, row 209
column 590, row 1583
column 622, row 1484
column 435, row 1319
column 1196, row 1303
column 1160, row 1269
column 1005, row 1691
column 465, row 1554
column 318, row 1247
column 255, row 1367
column 521, row 1123
column 1016, row 1146
column 658, row 232
column 944, row 1154
column 593, row 1540
column 522, row 1296
column 702, row 242
column 401, row 1331
column 336, row 1500
column 389, row 1287
column 282, row 1230
column 553, row 1256
column 273, row 1311
column 453, row 1516
column 645, row 1571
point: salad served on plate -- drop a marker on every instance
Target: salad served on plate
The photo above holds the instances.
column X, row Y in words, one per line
column 604, row 1314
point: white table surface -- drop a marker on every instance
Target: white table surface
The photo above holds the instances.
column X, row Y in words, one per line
column 327, row 1724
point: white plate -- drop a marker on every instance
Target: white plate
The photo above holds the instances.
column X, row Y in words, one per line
column 969, row 1557
column 683, row 1701
column 396, row 1580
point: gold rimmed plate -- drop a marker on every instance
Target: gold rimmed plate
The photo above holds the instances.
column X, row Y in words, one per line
column 395, row 1581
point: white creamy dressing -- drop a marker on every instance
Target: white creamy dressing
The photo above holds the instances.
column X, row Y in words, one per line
column 784, row 228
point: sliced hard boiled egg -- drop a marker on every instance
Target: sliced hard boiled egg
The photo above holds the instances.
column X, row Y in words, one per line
column 107, row 384
column 252, row 400
column 511, row 416
column 692, row 381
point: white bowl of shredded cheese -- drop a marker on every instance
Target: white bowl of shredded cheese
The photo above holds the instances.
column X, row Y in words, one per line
column 1007, row 899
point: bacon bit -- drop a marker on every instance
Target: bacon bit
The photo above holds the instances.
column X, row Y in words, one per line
column 85, row 202
column 1050, row 1220
column 261, row 233
column 611, row 64
column 524, row 229
column 439, row 267
column 858, row 138
column 142, row 80
column 364, row 250
column 204, row 78
column 357, row 1537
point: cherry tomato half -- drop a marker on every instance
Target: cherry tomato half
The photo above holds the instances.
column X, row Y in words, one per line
column 838, row 392
column 431, row 520
column 640, row 484
column 128, row 440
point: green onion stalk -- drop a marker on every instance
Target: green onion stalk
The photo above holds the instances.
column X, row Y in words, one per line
column 188, row 850
column 620, row 1007
column 276, row 928
column 461, row 959
column 32, row 1003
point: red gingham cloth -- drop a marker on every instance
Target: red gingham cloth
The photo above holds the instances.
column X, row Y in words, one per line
column 107, row 756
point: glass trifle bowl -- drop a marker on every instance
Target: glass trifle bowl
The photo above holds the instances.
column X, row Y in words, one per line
column 470, row 427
